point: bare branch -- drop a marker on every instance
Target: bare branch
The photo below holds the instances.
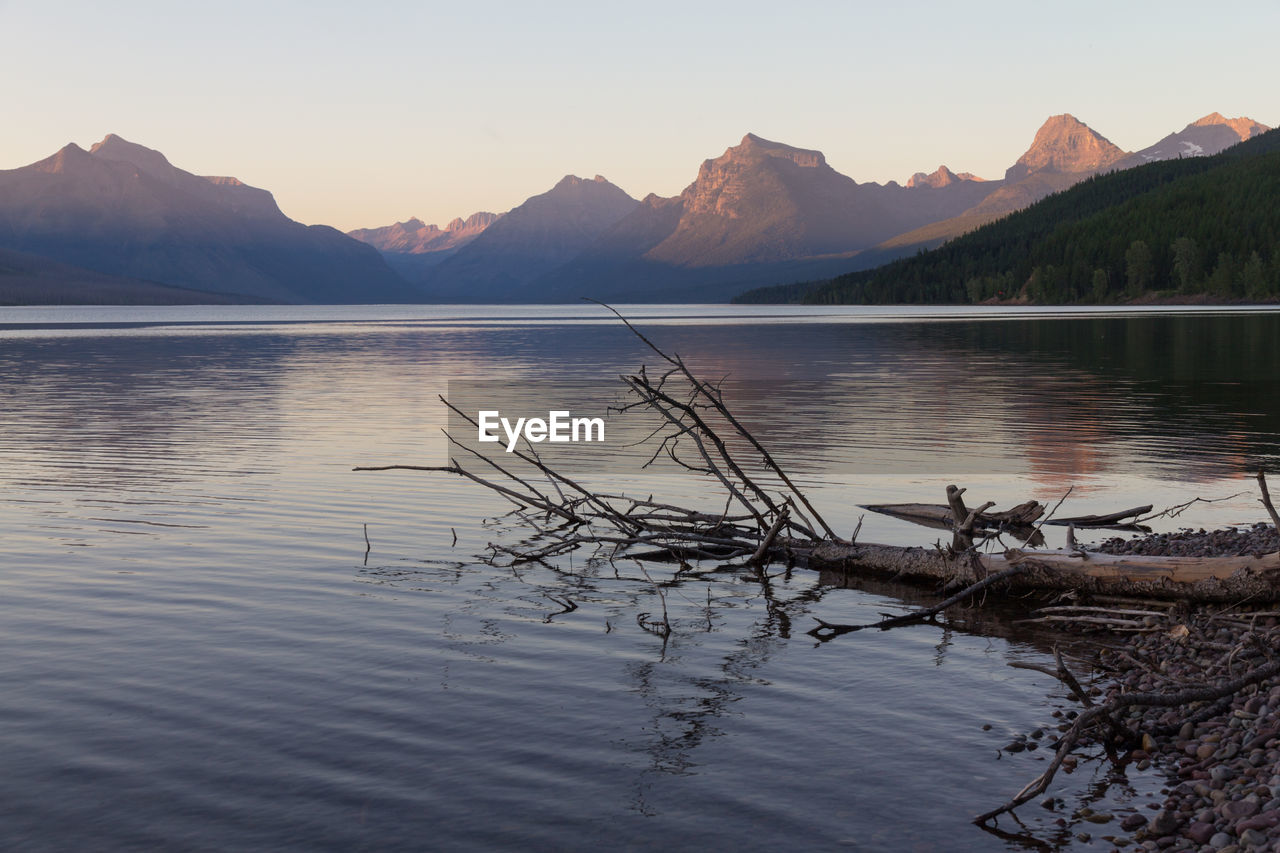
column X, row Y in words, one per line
column 1266, row 500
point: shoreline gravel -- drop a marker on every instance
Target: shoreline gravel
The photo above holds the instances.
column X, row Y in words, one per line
column 1223, row 758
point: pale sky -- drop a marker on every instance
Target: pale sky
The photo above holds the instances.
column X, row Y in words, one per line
column 359, row 115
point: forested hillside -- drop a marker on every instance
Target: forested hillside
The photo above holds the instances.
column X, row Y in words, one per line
column 1201, row 225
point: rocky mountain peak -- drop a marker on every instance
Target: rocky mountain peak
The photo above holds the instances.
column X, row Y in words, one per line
column 941, row 177
column 415, row 237
column 124, row 210
column 754, row 147
column 63, row 160
column 1244, row 127
column 1211, row 118
column 483, row 219
column 113, row 147
column 570, row 181
column 1065, row 144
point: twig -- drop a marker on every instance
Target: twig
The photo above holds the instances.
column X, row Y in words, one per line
column 1045, row 520
column 663, row 628
column 828, row 630
column 1127, row 700
column 1178, row 509
column 1266, row 500
column 1065, row 674
column 718, row 404
column 758, row 558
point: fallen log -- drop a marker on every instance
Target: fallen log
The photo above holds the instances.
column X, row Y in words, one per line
column 940, row 516
column 1216, row 579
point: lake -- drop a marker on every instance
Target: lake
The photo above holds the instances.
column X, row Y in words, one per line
column 202, row 652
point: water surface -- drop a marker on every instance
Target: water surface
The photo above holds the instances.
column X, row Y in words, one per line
column 199, row 653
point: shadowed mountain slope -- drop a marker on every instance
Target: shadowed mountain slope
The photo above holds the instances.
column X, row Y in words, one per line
column 503, row 262
column 124, row 210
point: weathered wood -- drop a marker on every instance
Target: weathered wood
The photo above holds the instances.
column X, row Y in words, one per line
column 1196, row 578
column 959, row 512
column 1266, row 500
column 943, row 518
column 927, row 515
column 1102, row 520
column 615, row 526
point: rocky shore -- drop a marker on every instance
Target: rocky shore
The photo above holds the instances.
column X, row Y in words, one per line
column 1224, row 768
column 1253, row 541
column 1222, row 757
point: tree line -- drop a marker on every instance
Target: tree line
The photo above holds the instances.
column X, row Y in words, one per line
column 1198, row 225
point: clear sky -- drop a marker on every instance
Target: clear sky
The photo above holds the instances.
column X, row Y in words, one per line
column 358, row 115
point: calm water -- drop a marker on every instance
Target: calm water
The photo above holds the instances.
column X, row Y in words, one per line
column 199, row 654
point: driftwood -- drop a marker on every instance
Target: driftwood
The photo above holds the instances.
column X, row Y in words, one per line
column 1266, row 500
column 1218, row 579
column 758, row 525
column 943, row 517
column 1110, row 519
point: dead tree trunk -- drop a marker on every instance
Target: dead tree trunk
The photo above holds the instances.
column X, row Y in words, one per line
column 1218, row 579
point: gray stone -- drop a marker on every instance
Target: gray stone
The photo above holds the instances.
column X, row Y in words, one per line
column 1265, row 820
column 1200, row 832
column 1237, row 809
column 1165, row 823
column 1253, row 838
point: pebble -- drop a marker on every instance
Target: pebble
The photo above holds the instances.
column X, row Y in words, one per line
column 1165, row 823
column 1253, row 838
column 1237, row 809
column 1200, row 832
column 1257, row 540
column 1223, row 792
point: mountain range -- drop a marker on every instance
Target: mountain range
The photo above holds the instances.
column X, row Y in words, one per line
column 1189, row 228
column 764, row 212
column 123, row 210
column 761, row 213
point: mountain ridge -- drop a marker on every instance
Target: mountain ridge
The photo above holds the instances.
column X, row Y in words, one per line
column 1190, row 227
column 760, row 210
column 544, row 232
column 126, row 211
